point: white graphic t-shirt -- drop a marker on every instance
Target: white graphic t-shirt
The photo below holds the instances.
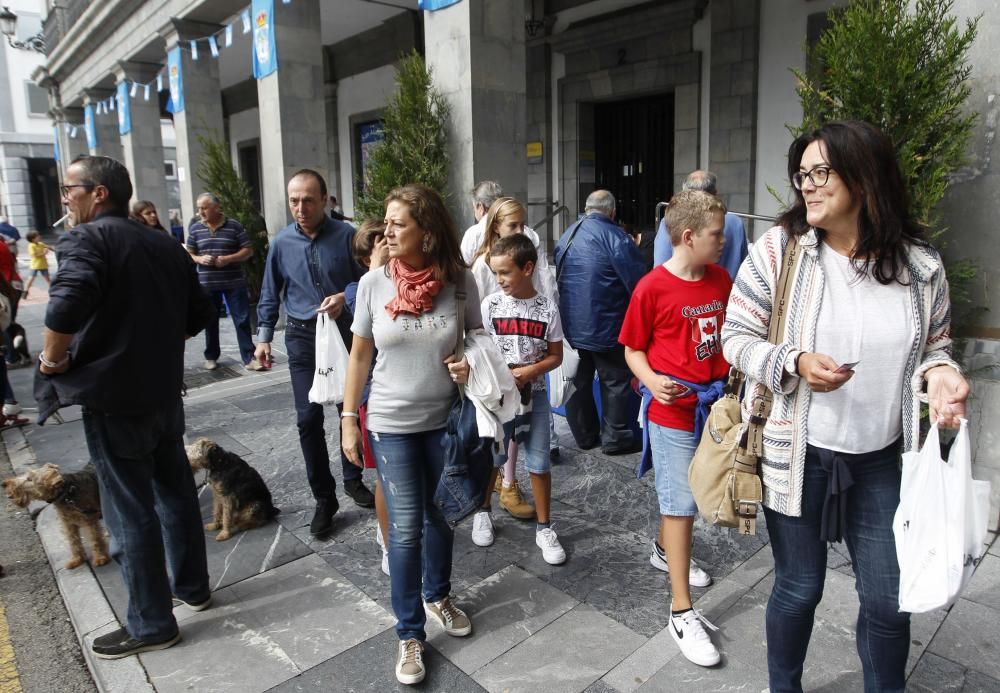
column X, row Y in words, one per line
column 522, row 328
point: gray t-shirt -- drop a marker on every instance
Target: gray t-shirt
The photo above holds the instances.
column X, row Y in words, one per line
column 411, row 390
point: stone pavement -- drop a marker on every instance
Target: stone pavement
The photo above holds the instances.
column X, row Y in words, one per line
column 294, row 614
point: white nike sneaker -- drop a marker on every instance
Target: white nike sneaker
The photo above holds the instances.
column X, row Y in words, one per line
column 482, row 528
column 697, row 577
column 688, row 631
column 552, row 551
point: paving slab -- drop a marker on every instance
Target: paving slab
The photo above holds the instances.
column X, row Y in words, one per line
column 555, row 659
column 938, row 675
column 369, row 667
column 681, row 675
column 969, row 637
column 506, row 609
column 984, row 588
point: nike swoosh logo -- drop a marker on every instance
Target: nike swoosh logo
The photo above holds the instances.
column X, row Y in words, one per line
column 680, row 633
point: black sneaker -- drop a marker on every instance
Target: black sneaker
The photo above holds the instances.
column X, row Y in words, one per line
column 356, row 489
column 626, row 449
column 322, row 522
column 555, row 457
column 194, row 606
column 120, row 644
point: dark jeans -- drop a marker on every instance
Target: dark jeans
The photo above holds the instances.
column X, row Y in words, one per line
column 300, row 343
column 883, row 633
column 151, row 509
column 239, row 310
column 581, row 411
column 420, row 539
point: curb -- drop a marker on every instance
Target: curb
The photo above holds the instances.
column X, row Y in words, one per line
column 88, row 608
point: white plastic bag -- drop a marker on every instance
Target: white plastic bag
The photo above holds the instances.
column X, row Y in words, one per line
column 561, row 379
column 331, row 363
column 940, row 525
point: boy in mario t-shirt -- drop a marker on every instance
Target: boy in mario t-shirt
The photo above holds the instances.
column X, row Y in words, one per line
column 671, row 339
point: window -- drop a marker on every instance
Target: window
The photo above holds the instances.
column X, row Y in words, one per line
column 37, row 99
column 170, row 169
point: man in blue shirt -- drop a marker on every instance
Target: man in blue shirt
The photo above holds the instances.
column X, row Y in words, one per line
column 220, row 245
column 309, row 264
column 735, row 250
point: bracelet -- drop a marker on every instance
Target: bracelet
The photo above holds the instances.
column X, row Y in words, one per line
column 52, row 364
column 349, row 415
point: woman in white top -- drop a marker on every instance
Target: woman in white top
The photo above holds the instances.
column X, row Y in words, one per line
column 866, row 338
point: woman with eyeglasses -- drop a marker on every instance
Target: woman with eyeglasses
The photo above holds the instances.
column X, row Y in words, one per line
column 866, row 339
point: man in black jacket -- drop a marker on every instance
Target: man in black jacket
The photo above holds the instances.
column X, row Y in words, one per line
column 125, row 300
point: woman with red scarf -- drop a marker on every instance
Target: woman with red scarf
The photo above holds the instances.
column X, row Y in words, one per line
column 407, row 311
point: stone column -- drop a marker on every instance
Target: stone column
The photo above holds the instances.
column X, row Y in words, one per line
column 105, row 124
column 465, row 44
column 143, row 145
column 202, row 114
column 293, row 115
column 16, row 189
column 732, row 116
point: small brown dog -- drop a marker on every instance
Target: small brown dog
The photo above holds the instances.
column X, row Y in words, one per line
column 241, row 499
column 77, row 499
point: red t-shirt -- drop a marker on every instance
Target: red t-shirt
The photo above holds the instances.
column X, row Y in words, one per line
column 677, row 323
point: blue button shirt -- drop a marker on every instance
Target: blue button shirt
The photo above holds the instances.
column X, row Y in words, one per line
column 301, row 271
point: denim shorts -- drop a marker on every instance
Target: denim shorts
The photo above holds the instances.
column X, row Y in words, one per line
column 672, row 453
column 532, row 433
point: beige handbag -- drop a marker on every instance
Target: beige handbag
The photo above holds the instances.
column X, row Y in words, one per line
column 723, row 473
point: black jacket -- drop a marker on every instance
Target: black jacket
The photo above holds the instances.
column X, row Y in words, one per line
column 130, row 295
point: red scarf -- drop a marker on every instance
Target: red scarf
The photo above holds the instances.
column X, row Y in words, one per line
column 415, row 289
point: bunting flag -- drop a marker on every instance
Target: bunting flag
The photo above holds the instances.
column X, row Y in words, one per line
column 72, row 132
column 229, row 35
column 213, row 46
column 55, row 143
column 134, row 90
column 89, row 127
column 245, row 16
column 146, row 90
column 194, row 49
column 159, row 83
column 432, row 5
column 124, row 110
column 175, row 78
column 265, row 56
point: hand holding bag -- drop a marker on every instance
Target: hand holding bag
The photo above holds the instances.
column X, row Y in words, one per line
column 331, row 363
column 723, row 473
column 940, row 524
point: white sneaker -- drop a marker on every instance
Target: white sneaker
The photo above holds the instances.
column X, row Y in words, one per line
column 11, row 409
column 688, row 631
column 482, row 528
column 211, row 364
column 410, row 662
column 697, row 577
column 548, row 541
column 385, row 551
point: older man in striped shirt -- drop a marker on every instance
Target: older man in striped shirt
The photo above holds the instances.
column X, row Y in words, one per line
column 220, row 246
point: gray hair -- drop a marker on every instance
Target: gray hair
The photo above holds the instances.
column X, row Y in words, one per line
column 211, row 197
column 706, row 181
column 486, row 193
column 600, row 201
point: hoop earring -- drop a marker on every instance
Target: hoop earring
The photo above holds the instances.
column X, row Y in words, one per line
column 427, row 245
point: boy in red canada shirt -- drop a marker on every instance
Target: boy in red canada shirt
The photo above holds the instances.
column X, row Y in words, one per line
column 671, row 339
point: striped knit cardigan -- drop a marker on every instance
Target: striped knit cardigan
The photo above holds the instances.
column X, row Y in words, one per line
column 745, row 345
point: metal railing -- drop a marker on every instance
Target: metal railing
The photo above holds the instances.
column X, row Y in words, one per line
column 550, row 216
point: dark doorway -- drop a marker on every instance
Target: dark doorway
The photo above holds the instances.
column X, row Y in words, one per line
column 634, row 155
column 46, row 204
column 249, row 154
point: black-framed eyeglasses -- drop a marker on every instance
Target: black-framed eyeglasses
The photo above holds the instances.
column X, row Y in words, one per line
column 64, row 189
column 818, row 176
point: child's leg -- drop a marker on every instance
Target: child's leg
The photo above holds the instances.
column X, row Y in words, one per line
column 381, row 511
column 675, row 533
column 27, row 287
column 45, row 276
column 537, row 459
column 510, row 466
column 488, row 496
column 541, row 489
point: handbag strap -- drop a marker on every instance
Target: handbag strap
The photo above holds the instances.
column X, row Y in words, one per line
column 460, row 323
column 752, row 445
column 569, row 244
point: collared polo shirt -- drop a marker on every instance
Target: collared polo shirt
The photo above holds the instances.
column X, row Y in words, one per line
column 229, row 238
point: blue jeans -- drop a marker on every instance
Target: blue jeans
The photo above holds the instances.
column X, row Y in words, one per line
column 672, row 453
column 300, row 343
column 883, row 633
column 239, row 309
column 420, row 540
column 151, row 509
column 532, row 433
